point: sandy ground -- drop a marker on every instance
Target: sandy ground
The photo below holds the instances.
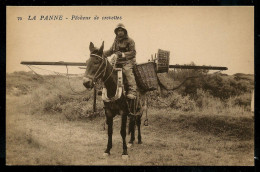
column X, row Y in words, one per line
column 170, row 139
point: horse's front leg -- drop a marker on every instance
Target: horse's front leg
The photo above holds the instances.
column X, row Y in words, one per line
column 109, row 121
column 132, row 129
column 123, row 134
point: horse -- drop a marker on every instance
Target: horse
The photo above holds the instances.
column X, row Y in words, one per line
column 98, row 67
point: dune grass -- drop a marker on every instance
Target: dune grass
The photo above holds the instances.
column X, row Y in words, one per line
column 48, row 124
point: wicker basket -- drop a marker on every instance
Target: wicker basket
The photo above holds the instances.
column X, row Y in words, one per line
column 163, row 60
column 145, row 76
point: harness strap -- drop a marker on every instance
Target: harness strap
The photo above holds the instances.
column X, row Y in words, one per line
column 98, row 73
column 104, row 71
column 96, row 56
column 133, row 104
column 119, row 88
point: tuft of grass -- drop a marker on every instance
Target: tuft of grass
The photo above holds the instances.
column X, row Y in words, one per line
column 52, row 94
column 208, row 104
column 172, row 100
column 22, row 83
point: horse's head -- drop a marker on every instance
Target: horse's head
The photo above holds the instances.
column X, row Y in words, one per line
column 96, row 66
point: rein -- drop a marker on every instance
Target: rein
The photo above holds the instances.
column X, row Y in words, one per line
column 99, row 72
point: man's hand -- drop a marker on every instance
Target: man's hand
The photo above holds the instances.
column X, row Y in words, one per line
column 121, row 56
column 121, row 59
column 113, row 59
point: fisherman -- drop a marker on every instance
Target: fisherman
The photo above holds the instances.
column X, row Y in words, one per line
column 124, row 48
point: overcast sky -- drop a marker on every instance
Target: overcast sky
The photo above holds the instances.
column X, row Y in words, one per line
column 217, row 36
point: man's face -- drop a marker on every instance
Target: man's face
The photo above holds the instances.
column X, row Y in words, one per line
column 120, row 32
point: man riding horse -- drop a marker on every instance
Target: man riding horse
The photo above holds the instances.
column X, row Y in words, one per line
column 124, row 48
column 115, row 102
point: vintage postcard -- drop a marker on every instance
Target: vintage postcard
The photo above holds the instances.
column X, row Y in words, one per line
column 130, row 85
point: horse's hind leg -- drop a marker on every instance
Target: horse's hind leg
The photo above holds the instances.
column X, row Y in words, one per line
column 138, row 123
column 123, row 134
column 109, row 121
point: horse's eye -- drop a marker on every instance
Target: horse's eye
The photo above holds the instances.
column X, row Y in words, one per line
column 96, row 62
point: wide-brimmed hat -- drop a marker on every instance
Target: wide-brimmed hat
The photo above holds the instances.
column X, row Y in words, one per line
column 120, row 25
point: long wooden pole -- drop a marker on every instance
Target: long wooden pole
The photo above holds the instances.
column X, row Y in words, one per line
column 191, row 67
column 198, row 67
column 61, row 63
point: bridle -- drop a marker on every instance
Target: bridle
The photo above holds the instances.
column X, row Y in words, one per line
column 100, row 72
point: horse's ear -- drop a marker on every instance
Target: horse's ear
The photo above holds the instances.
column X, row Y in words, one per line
column 101, row 48
column 91, row 47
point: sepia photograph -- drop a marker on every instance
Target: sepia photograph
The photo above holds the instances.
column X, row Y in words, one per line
column 130, row 85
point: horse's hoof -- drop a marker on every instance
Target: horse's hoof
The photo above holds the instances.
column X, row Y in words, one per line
column 129, row 145
column 106, row 154
column 125, row 157
column 140, row 142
